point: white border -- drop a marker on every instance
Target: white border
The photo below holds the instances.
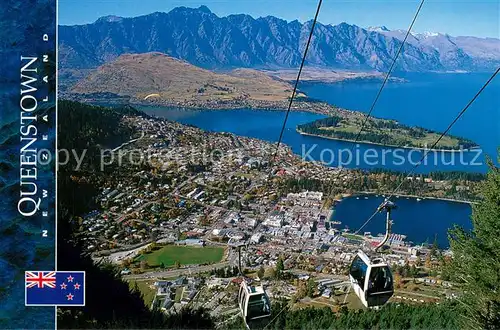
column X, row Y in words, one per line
column 57, row 128
column 52, row 305
column 57, row 157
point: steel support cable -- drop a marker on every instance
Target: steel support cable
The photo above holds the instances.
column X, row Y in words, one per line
column 273, row 158
column 274, row 318
column 460, row 114
column 391, row 68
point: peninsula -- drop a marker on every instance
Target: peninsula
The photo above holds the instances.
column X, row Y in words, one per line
column 382, row 132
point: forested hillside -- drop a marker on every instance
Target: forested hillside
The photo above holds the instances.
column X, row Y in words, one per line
column 110, row 303
column 476, row 262
column 390, row 317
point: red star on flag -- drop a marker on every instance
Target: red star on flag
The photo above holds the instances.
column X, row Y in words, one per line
column 69, row 296
column 70, row 278
column 63, row 286
column 77, row 286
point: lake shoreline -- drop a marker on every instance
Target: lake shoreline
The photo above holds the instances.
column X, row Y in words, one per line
column 312, row 106
column 451, row 200
column 381, row 144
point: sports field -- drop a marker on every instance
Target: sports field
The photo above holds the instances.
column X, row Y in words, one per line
column 185, row 255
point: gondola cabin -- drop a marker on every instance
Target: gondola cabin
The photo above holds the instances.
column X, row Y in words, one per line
column 254, row 302
column 371, row 280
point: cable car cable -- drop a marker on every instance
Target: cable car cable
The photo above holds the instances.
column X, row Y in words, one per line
column 273, row 159
column 367, row 116
column 435, row 143
column 274, row 318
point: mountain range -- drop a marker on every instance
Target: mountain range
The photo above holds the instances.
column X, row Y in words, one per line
column 202, row 38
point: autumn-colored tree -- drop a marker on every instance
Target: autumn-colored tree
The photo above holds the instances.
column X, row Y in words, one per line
column 261, row 272
column 397, row 280
column 301, row 289
column 270, row 273
column 428, row 263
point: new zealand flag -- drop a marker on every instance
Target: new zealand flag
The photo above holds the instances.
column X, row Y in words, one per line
column 48, row 288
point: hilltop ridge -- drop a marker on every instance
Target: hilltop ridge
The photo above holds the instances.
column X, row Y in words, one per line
column 177, row 82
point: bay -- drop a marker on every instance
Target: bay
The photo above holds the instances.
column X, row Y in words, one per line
column 430, row 100
column 421, row 221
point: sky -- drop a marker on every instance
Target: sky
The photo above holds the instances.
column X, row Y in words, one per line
column 479, row 18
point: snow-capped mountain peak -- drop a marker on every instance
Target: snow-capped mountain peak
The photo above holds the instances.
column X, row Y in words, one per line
column 430, row 34
column 378, row 28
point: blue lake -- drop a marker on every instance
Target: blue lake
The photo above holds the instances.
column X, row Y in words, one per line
column 419, row 220
column 428, row 100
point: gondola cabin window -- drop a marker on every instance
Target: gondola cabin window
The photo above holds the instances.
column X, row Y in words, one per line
column 358, row 270
column 258, row 305
column 380, row 280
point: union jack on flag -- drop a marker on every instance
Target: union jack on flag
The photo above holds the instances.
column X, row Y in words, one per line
column 41, row 279
column 54, row 288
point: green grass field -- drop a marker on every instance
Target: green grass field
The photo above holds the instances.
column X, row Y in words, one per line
column 354, row 237
column 185, row 255
column 148, row 294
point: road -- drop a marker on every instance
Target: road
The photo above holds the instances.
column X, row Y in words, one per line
column 177, row 272
column 119, row 256
column 129, row 142
column 412, row 293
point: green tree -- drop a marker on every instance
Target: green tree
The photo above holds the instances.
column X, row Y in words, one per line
column 476, row 258
column 406, row 270
column 280, row 267
column 311, row 287
column 413, row 271
column 247, row 197
column 434, row 247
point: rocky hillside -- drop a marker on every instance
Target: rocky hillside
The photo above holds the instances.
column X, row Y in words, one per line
column 206, row 40
column 165, row 78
